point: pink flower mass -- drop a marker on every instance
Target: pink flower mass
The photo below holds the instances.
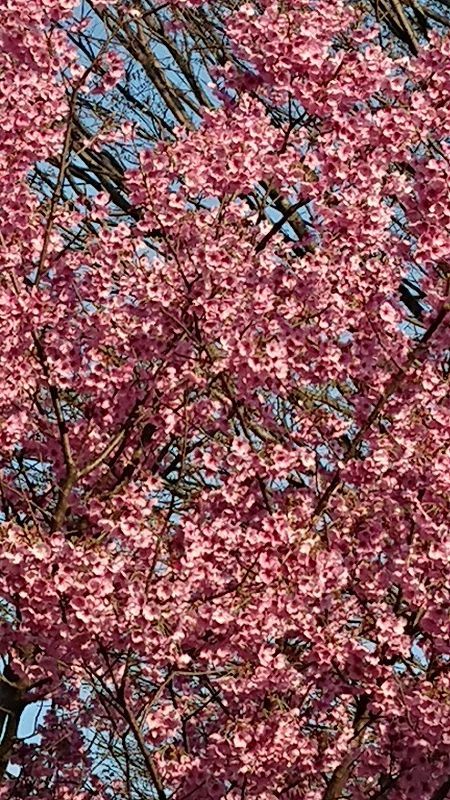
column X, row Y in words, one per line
column 224, row 401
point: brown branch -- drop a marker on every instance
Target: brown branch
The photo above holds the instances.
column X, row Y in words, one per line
column 288, row 213
column 406, row 25
column 64, row 161
column 119, row 700
column 12, row 703
column 342, row 773
column 58, row 187
column 391, row 388
column 56, row 403
column 71, row 469
column 443, row 791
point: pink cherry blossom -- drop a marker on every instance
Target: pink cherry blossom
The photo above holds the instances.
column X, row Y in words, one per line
column 224, row 461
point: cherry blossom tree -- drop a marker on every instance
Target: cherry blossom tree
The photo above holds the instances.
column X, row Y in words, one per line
column 224, row 408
